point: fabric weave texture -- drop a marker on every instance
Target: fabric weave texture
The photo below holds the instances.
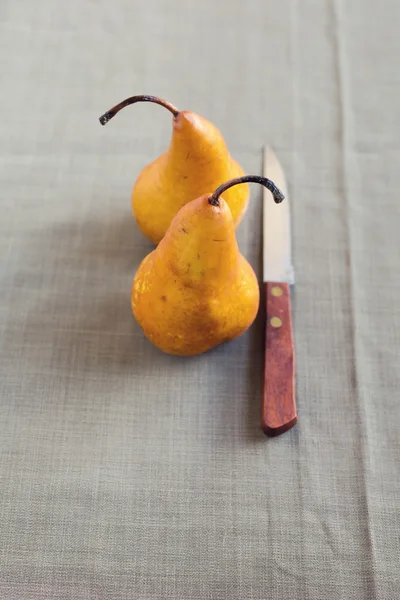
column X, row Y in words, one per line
column 129, row 474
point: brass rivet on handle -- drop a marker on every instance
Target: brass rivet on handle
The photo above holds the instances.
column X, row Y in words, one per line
column 276, row 322
column 277, row 291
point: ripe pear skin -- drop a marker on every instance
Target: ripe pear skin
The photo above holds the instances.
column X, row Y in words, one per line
column 196, row 161
column 195, row 290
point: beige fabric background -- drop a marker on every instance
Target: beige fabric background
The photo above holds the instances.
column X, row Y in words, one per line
column 129, row 474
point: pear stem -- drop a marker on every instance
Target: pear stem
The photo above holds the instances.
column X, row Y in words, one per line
column 132, row 100
column 277, row 194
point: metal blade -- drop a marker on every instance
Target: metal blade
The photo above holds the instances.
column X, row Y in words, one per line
column 277, row 262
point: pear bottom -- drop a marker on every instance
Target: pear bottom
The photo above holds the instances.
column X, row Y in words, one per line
column 186, row 320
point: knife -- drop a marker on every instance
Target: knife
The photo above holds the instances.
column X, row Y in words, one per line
column 278, row 410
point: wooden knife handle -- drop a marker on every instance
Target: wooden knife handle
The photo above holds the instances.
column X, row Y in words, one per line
column 278, row 411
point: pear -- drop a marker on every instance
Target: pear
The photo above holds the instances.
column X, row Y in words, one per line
column 196, row 161
column 195, row 290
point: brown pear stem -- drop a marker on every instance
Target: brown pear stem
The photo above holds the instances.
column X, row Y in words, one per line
column 132, row 100
column 277, row 194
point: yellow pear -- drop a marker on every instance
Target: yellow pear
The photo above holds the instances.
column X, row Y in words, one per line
column 196, row 161
column 195, row 290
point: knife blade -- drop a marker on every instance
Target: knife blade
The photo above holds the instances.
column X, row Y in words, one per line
column 278, row 409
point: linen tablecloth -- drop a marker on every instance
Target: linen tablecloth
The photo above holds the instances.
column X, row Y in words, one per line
column 126, row 473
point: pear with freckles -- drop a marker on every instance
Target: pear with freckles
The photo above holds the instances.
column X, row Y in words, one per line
column 196, row 290
column 196, row 161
